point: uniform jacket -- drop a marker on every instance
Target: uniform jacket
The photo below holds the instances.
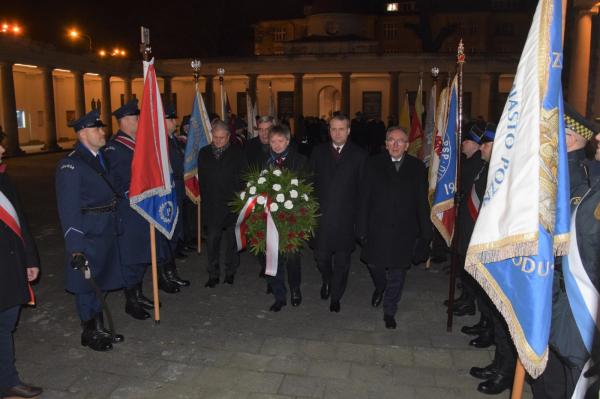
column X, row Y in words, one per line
column 82, row 183
column 394, row 211
column 219, row 180
column 134, row 236
column 475, row 173
column 337, row 188
column 16, row 254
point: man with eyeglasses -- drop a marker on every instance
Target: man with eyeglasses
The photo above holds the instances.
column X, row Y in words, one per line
column 394, row 226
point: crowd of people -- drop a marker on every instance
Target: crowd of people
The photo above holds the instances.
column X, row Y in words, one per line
column 370, row 192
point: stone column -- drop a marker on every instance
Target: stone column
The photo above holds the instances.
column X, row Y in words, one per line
column 580, row 60
column 106, row 107
column 79, row 94
column 346, row 93
column 167, row 89
column 495, row 110
column 298, row 96
column 252, row 79
column 127, row 91
column 394, row 95
column 9, row 110
column 50, row 143
column 209, row 97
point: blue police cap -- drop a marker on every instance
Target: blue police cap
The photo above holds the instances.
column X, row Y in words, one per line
column 185, row 120
column 476, row 131
column 489, row 133
column 91, row 119
column 170, row 111
column 129, row 108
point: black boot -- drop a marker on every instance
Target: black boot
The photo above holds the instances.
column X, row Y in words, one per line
column 146, row 302
column 465, row 308
column 390, row 322
column 484, row 340
column 484, row 373
column 115, row 338
column 276, row 307
column 296, row 296
column 164, row 283
column 172, row 276
column 132, row 307
column 495, row 385
column 94, row 339
column 483, row 325
column 459, row 300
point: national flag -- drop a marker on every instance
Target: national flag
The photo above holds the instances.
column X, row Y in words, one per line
column 151, row 192
column 524, row 217
column 198, row 136
column 436, row 140
column 415, row 137
column 443, row 209
column 429, row 125
column 251, row 117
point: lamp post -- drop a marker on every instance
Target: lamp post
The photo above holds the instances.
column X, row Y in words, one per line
column 75, row 34
column 221, row 73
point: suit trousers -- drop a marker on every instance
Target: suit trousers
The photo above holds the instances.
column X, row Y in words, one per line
column 8, row 373
column 334, row 268
column 291, row 262
column 217, row 236
column 88, row 305
column 390, row 281
column 134, row 274
column 505, row 357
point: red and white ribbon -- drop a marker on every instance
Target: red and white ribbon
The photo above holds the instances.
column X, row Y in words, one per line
column 9, row 216
column 473, row 203
column 272, row 235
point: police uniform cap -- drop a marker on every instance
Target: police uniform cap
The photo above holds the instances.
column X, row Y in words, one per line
column 127, row 109
column 489, row 134
column 577, row 123
column 170, row 111
column 185, row 120
column 475, row 131
column 91, row 119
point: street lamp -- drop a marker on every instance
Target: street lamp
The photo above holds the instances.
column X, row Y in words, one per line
column 75, row 34
column 221, row 73
column 13, row 28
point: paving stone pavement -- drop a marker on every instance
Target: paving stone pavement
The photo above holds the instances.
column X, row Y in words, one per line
column 224, row 343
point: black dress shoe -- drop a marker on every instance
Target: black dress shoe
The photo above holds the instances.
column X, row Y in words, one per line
column 390, row 322
column 21, row 391
column 95, row 339
column 212, row 282
column 146, row 302
column 133, row 307
column 482, row 326
column 376, row 298
column 296, row 297
column 229, row 279
column 173, row 276
column 325, row 292
column 164, row 284
column 334, row 306
column 485, row 340
column 467, row 308
column 276, row 307
column 495, row 385
column 484, row 373
column 99, row 326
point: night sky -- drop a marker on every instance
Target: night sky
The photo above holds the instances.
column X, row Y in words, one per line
column 179, row 28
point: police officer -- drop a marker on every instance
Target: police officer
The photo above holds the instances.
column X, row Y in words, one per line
column 87, row 203
column 176, row 159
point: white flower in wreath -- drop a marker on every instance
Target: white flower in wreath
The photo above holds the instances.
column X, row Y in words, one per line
column 242, row 195
column 273, row 207
column 294, row 182
column 263, row 172
column 294, row 194
column 248, row 184
column 305, row 197
column 252, row 190
column 280, row 197
column 288, row 204
column 276, row 187
column 261, row 180
column 261, row 200
column 277, row 172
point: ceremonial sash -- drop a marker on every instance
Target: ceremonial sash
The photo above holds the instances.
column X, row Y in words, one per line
column 473, row 203
column 126, row 141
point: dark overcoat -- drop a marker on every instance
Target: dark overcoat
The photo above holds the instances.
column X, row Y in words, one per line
column 220, row 180
column 394, row 211
column 17, row 254
column 82, row 183
column 256, row 152
column 337, row 189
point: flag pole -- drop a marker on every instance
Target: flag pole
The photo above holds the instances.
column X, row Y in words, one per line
column 196, row 67
column 519, row 381
column 435, row 71
column 146, row 51
column 460, row 60
column 221, row 72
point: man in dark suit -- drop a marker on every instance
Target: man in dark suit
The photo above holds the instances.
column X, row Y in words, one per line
column 337, row 168
column 220, row 169
column 20, row 265
column 284, row 156
column 257, row 148
column 393, row 224
column 87, row 204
